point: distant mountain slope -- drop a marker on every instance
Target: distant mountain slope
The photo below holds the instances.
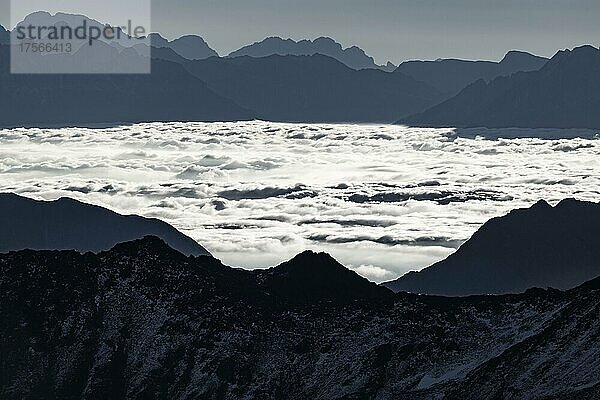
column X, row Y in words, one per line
column 352, row 57
column 68, row 224
column 542, row 246
column 451, row 76
column 169, row 93
column 191, row 47
column 313, row 89
column 565, row 93
column 143, row 321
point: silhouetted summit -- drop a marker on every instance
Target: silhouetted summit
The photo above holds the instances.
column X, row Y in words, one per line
column 542, row 246
column 310, row 278
column 190, row 47
column 451, row 75
column 565, row 93
column 352, row 57
column 67, row 224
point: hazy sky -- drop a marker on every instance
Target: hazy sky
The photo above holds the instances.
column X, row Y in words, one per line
column 387, row 29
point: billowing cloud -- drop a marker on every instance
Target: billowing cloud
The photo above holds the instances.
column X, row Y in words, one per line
column 381, row 199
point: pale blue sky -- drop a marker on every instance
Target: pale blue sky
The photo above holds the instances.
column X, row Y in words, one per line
column 395, row 30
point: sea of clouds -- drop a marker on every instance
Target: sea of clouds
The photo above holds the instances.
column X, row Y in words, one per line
column 381, row 199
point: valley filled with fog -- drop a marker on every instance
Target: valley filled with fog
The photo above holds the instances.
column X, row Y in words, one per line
column 382, row 199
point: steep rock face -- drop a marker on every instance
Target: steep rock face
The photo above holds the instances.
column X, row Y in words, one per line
column 67, row 224
column 564, row 93
column 542, row 246
column 144, row 321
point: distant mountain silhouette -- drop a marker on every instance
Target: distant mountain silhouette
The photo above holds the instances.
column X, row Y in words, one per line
column 313, row 89
column 565, row 93
column 191, row 47
column 451, row 76
column 169, row 93
column 67, row 224
column 542, row 246
column 352, row 57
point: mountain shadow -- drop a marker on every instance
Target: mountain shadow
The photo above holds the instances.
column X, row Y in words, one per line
column 313, row 89
column 450, row 76
column 67, row 224
column 144, row 321
column 565, row 93
column 542, row 246
column 352, row 57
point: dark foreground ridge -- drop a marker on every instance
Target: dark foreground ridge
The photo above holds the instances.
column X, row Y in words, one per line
column 144, row 321
column 67, row 224
column 542, row 246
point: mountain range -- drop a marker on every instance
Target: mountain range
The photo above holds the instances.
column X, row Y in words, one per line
column 313, row 88
column 542, row 246
column 190, row 83
column 450, row 76
column 353, row 57
column 144, row 321
column 67, row 224
column 169, row 93
column 564, row 93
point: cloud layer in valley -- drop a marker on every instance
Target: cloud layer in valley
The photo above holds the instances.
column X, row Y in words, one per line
column 381, row 199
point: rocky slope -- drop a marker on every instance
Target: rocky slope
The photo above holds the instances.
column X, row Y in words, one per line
column 143, row 321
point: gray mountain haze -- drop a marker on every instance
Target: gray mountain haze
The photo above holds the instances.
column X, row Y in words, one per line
column 542, row 246
column 564, row 93
column 451, row 76
column 353, row 57
column 67, row 224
